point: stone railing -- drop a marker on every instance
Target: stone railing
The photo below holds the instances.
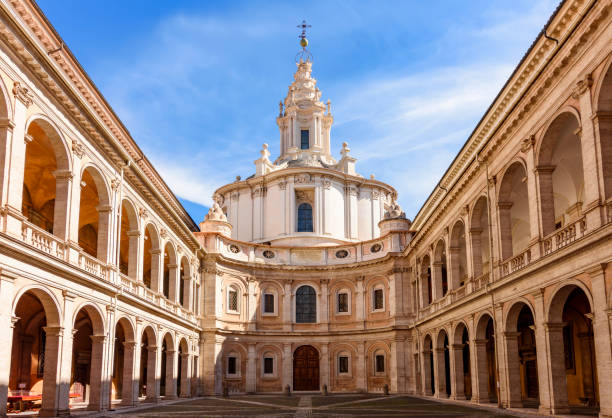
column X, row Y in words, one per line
column 92, row 265
column 481, row 281
column 563, row 237
column 515, row 263
column 44, row 241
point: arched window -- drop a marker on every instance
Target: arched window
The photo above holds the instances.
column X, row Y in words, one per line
column 305, row 218
column 305, row 305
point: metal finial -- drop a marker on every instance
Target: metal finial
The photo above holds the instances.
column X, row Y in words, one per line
column 304, row 54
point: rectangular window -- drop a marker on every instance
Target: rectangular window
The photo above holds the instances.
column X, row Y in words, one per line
column 380, row 363
column 231, row 365
column 342, row 302
column 342, row 364
column 268, row 365
column 378, row 299
column 305, row 139
column 233, row 301
column 268, row 303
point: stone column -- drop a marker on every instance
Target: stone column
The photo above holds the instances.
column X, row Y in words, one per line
column 360, row 303
column 251, row 304
column 133, row 255
column 324, row 309
column 287, row 366
column 601, row 335
column 476, row 252
column 188, row 293
column 547, row 200
column 439, row 372
column 325, row 365
column 171, row 374
column 61, row 219
column 544, row 377
column 152, row 387
column 534, row 214
column 173, row 282
column 13, row 141
column 251, row 369
column 556, row 368
column 185, row 375
column 457, row 372
column 104, row 233
column 454, row 268
column 129, row 389
column 437, row 289
column 593, row 177
column 505, row 229
column 7, row 323
column 512, row 371
column 54, row 400
column 426, row 372
column 287, row 299
column 397, row 370
column 362, row 383
column 480, row 379
column 156, row 270
column 97, row 401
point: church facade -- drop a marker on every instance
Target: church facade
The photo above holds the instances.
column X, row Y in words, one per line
column 306, row 276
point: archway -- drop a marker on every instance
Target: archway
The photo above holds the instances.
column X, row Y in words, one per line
column 185, row 288
column 458, row 256
column 486, row 369
column 442, row 367
column 35, row 350
column 148, row 361
column 94, row 214
column 151, row 258
column 306, row 368
column 123, row 364
column 426, row 285
column 560, row 174
column 128, row 244
column 170, row 272
column 183, row 381
column 429, row 386
column 479, row 232
column 168, row 381
column 46, row 180
column 87, row 357
column 513, row 207
column 604, row 107
column 522, row 357
column 460, row 352
column 440, row 277
column 573, row 365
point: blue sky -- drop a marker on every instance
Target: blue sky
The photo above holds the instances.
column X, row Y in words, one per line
column 198, row 83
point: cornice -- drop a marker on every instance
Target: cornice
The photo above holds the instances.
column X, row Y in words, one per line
column 561, row 26
column 40, row 49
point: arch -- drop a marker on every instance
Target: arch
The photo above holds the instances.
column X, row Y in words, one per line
column 521, row 351
column 305, row 305
column 47, row 298
column 513, row 208
column 5, row 116
column 6, row 110
column 151, row 257
column 46, row 177
column 95, row 314
column 442, row 365
column 458, row 255
column 168, row 384
column 426, row 281
column 560, row 172
column 185, row 290
column 129, row 237
column 462, row 370
column 306, row 368
column 304, row 218
column 147, row 382
column 440, row 270
column 485, row 364
column 128, row 328
column 170, row 271
column 428, row 373
column 480, row 237
column 94, row 213
column 183, row 370
column 122, row 378
column 603, row 106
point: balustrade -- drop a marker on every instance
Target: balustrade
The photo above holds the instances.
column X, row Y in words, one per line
column 516, row 263
column 43, row 241
column 563, row 237
column 93, row 265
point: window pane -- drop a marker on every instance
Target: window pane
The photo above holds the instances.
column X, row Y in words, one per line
column 305, row 140
column 305, row 305
column 268, row 365
column 268, row 303
column 305, row 218
column 233, row 300
column 378, row 299
column 380, row 363
column 343, row 364
column 231, row 365
column 342, row 302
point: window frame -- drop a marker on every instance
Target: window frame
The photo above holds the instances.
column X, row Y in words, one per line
column 378, row 354
column 347, row 355
column 269, row 355
column 236, row 358
column 297, row 217
column 302, row 139
column 230, row 289
column 269, row 292
column 348, row 301
column 373, row 298
column 316, row 304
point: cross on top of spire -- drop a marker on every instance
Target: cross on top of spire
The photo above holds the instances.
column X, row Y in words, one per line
column 303, row 26
column 304, row 55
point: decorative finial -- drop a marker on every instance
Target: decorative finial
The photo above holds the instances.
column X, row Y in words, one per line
column 280, row 109
column 328, row 107
column 304, row 55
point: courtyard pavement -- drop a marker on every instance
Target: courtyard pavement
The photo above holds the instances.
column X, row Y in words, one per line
column 313, row 406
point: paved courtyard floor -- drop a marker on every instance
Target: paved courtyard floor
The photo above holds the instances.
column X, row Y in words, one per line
column 313, row 406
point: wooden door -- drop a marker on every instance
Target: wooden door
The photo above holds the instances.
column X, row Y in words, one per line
column 306, row 368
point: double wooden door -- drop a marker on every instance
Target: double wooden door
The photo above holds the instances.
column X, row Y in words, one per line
column 306, row 368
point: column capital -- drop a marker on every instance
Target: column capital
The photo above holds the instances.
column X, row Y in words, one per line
column 63, row 175
column 7, row 123
column 14, row 320
column 129, row 345
column 511, row 334
column 98, row 338
column 551, row 326
column 54, row 331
